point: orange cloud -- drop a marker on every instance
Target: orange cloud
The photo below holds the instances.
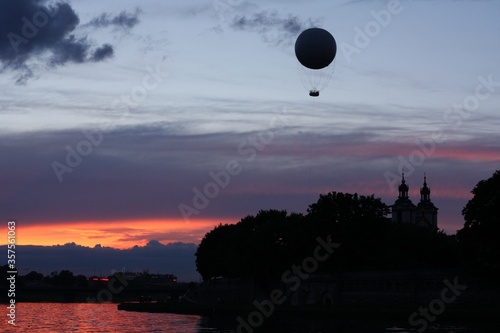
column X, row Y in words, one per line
column 117, row 234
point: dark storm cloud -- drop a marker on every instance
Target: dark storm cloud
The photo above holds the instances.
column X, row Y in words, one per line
column 273, row 28
column 173, row 258
column 34, row 33
column 123, row 20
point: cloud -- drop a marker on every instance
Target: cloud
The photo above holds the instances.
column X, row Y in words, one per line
column 173, row 258
column 192, row 235
column 102, row 53
column 36, row 34
column 144, row 173
column 123, row 20
column 273, row 28
column 264, row 21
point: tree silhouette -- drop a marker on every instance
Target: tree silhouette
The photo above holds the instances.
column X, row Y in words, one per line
column 267, row 244
column 268, row 241
column 34, row 276
column 357, row 222
column 405, row 246
column 479, row 236
column 211, row 253
column 337, row 208
column 62, row 278
column 257, row 246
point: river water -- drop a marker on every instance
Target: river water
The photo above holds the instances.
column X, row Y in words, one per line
column 89, row 317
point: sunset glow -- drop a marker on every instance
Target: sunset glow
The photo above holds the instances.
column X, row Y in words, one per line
column 116, row 234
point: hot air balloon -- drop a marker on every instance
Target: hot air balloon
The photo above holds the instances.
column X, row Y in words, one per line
column 315, row 50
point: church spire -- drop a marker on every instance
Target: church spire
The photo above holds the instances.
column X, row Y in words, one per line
column 425, row 192
column 403, row 188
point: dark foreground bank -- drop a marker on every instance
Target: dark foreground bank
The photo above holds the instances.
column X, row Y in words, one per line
column 463, row 312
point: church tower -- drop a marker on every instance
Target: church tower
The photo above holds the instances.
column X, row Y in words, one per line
column 403, row 210
column 426, row 210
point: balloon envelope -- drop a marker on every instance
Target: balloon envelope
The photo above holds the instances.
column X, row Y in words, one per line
column 315, row 48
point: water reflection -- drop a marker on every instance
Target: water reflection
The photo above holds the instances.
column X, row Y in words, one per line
column 87, row 317
column 57, row 317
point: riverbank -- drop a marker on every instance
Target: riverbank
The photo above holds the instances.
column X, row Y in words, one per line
column 467, row 313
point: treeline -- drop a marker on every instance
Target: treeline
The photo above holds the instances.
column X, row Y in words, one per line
column 267, row 244
column 64, row 278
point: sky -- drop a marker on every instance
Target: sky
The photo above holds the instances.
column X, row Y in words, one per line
column 147, row 123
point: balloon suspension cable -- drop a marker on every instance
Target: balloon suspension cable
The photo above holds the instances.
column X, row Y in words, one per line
column 310, row 190
column 315, row 80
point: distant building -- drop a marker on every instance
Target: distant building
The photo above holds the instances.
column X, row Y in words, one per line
column 404, row 210
column 146, row 279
